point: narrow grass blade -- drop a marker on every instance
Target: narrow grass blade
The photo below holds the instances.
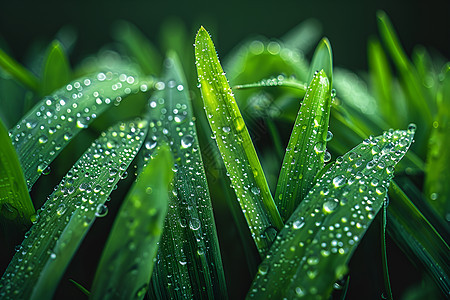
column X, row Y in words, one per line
column 18, row 72
column 412, row 232
column 15, row 202
column 273, row 82
column 387, row 282
column 322, row 60
column 315, row 245
column 235, row 145
column 65, row 218
column 305, row 152
column 139, row 47
column 56, row 71
column 188, row 262
column 127, row 261
column 49, row 126
column 437, row 189
column 303, row 36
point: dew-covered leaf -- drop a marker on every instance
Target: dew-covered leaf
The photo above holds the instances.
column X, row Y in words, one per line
column 56, row 71
column 18, row 72
column 49, row 126
column 188, row 262
column 15, row 201
column 306, row 151
column 65, row 218
column 413, row 233
column 316, row 243
column 127, row 261
column 322, row 60
column 235, row 145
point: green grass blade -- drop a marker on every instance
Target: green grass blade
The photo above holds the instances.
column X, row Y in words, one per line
column 412, row 232
column 139, row 47
column 56, row 71
column 314, row 247
column 304, row 156
column 322, row 60
column 49, row 126
column 65, row 218
column 387, row 282
column 18, row 72
column 437, row 189
column 189, row 262
column 127, row 261
column 235, row 145
column 303, row 36
column 15, row 201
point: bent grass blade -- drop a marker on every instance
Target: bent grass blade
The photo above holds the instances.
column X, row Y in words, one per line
column 15, row 201
column 315, row 245
column 189, row 238
column 18, row 72
column 127, row 261
column 65, row 218
column 49, row 126
column 235, row 145
column 305, row 152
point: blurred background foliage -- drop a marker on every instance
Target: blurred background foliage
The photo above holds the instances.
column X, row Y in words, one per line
column 83, row 28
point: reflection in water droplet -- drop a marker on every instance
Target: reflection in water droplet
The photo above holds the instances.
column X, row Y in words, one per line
column 43, row 139
column 330, row 205
column 101, row 211
column 186, row 141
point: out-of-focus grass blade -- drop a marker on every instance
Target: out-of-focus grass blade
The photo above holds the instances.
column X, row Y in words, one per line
column 18, row 72
column 307, row 146
column 188, row 262
column 65, row 218
column 315, row 245
column 437, row 189
column 139, row 47
column 303, row 36
column 381, row 77
column 322, row 60
column 127, row 261
column 235, row 145
column 417, row 238
column 56, row 71
column 273, row 82
column 15, row 202
column 387, row 283
column 49, row 126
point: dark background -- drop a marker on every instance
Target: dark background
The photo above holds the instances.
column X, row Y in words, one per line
column 347, row 24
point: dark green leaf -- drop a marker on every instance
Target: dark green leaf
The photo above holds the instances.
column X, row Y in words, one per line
column 18, row 72
column 56, row 71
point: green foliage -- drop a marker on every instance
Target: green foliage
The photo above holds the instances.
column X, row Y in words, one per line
column 305, row 214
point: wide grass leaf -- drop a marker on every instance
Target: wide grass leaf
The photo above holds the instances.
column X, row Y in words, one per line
column 235, row 145
column 322, row 60
column 56, row 71
column 305, row 152
column 127, row 261
column 18, row 72
column 49, row 126
column 15, row 201
column 315, row 245
column 188, row 262
column 65, row 218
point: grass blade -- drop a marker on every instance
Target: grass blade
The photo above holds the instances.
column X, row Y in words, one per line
column 314, row 247
column 305, row 152
column 15, row 201
column 188, row 262
column 303, row 36
column 18, row 72
column 48, row 127
column 387, row 283
column 65, row 218
column 322, row 60
column 417, row 238
column 235, row 145
column 127, row 261
column 56, row 71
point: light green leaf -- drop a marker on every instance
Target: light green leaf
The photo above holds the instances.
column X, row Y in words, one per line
column 318, row 240
column 56, row 71
column 18, row 72
column 235, row 145
column 49, row 126
column 188, row 262
column 305, row 152
column 15, row 202
column 322, row 60
column 127, row 261
column 63, row 221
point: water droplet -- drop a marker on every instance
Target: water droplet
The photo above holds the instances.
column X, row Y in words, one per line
column 255, row 190
column 330, row 205
column 326, row 157
column 81, row 124
column 270, row 233
column 263, row 268
column 298, row 223
column 186, row 141
column 194, row 224
column 412, row 128
column 101, row 210
column 179, row 118
column 319, row 147
column 43, row 139
column 61, row 209
column 329, row 136
column 339, row 181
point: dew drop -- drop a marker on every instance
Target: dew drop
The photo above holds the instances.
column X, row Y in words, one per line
column 194, row 224
column 263, row 269
column 319, row 147
column 339, row 181
column 326, row 157
column 255, row 190
column 186, row 141
column 101, row 210
column 298, row 223
column 61, row 209
column 330, row 205
column 329, row 136
column 226, row 129
column 43, row 139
